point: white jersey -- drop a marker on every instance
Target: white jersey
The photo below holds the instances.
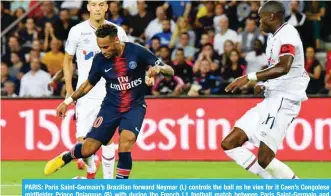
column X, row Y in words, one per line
column 82, row 41
column 286, row 41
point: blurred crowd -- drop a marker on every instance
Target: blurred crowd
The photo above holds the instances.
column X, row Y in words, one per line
column 208, row 43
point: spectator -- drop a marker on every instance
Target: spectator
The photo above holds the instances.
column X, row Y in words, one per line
column 14, row 46
column 178, row 8
column 327, row 79
column 225, row 57
column 34, row 83
column 208, row 53
column 224, row 34
column 296, row 17
column 29, row 33
column 207, row 21
column 247, row 37
column 234, row 69
column 72, row 6
column 16, row 66
column 165, row 55
column 254, row 9
column 257, row 59
column 155, row 45
column 168, row 85
column 205, row 83
column 155, row 26
column 15, row 5
column 315, row 12
column 140, row 21
column 165, row 35
column 54, row 58
column 115, row 16
column 219, row 12
column 5, row 75
column 315, row 71
column 33, row 54
column 181, row 27
column 205, row 39
column 63, row 25
column 9, row 89
column 19, row 12
column 49, row 35
column 6, row 19
column 37, row 46
column 182, row 69
column 189, row 51
column 49, row 15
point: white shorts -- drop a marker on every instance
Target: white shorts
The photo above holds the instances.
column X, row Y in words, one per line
column 268, row 121
column 86, row 112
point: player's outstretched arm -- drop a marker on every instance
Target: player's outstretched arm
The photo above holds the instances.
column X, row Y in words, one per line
column 80, row 92
column 280, row 69
column 68, row 71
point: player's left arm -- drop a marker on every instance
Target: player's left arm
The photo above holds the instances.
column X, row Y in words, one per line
column 158, row 66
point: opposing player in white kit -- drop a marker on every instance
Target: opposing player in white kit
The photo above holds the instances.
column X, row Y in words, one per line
column 284, row 88
column 82, row 42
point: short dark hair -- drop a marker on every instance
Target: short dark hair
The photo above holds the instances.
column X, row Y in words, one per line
column 106, row 30
column 274, row 7
column 180, row 50
column 165, row 47
column 185, row 33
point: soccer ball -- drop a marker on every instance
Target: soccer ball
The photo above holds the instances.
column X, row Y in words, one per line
column 79, row 177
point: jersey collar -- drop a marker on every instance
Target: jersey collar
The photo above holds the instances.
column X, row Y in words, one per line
column 279, row 28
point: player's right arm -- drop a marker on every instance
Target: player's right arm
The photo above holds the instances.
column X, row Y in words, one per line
column 70, row 50
column 68, row 72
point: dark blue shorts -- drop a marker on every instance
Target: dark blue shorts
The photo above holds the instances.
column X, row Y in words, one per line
column 107, row 122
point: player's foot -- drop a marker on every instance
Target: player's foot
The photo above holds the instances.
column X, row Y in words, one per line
column 54, row 164
column 90, row 175
column 80, row 164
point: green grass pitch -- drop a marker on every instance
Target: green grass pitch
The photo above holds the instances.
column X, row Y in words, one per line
column 12, row 172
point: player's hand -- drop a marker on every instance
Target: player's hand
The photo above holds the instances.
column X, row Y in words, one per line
column 237, row 84
column 259, row 89
column 149, row 81
column 61, row 110
column 153, row 71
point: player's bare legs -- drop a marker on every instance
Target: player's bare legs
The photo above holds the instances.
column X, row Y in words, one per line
column 108, row 160
column 267, row 160
column 126, row 142
column 232, row 146
column 80, row 150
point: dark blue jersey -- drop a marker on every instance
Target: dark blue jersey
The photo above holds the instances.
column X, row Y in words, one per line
column 124, row 75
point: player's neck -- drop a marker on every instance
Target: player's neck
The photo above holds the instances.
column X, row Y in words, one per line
column 277, row 26
column 96, row 23
column 121, row 50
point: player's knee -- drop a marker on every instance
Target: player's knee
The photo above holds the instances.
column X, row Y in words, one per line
column 264, row 159
column 126, row 145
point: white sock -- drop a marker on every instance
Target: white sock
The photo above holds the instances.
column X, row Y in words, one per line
column 248, row 161
column 108, row 161
column 279, row 170
column 90, row 164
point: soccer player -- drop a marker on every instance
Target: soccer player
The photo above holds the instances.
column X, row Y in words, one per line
column 123, row 65
column 266, row 124
column 82, row 43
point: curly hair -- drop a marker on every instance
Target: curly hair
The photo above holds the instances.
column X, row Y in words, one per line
column 106, row 30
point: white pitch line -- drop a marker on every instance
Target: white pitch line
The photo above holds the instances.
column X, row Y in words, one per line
column 10, row 185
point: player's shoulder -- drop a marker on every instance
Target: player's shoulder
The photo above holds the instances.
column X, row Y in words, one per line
column 79, row 27
column 288, row 30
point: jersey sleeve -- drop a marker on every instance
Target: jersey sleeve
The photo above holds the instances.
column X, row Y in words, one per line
column 95, row 73
column 288, row 43
column 122, row 35
column 72, row 41
column 149, row 58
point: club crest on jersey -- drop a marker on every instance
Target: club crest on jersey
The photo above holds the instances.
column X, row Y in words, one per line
column 88, row 55
column 132, row 65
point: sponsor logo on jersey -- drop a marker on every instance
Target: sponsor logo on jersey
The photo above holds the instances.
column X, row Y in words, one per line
column 88, row 55
column 132, row 65
column 86, row 33
column 124, row 83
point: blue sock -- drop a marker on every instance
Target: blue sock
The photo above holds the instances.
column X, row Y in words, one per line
column 75, row 153
column 124, row 165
